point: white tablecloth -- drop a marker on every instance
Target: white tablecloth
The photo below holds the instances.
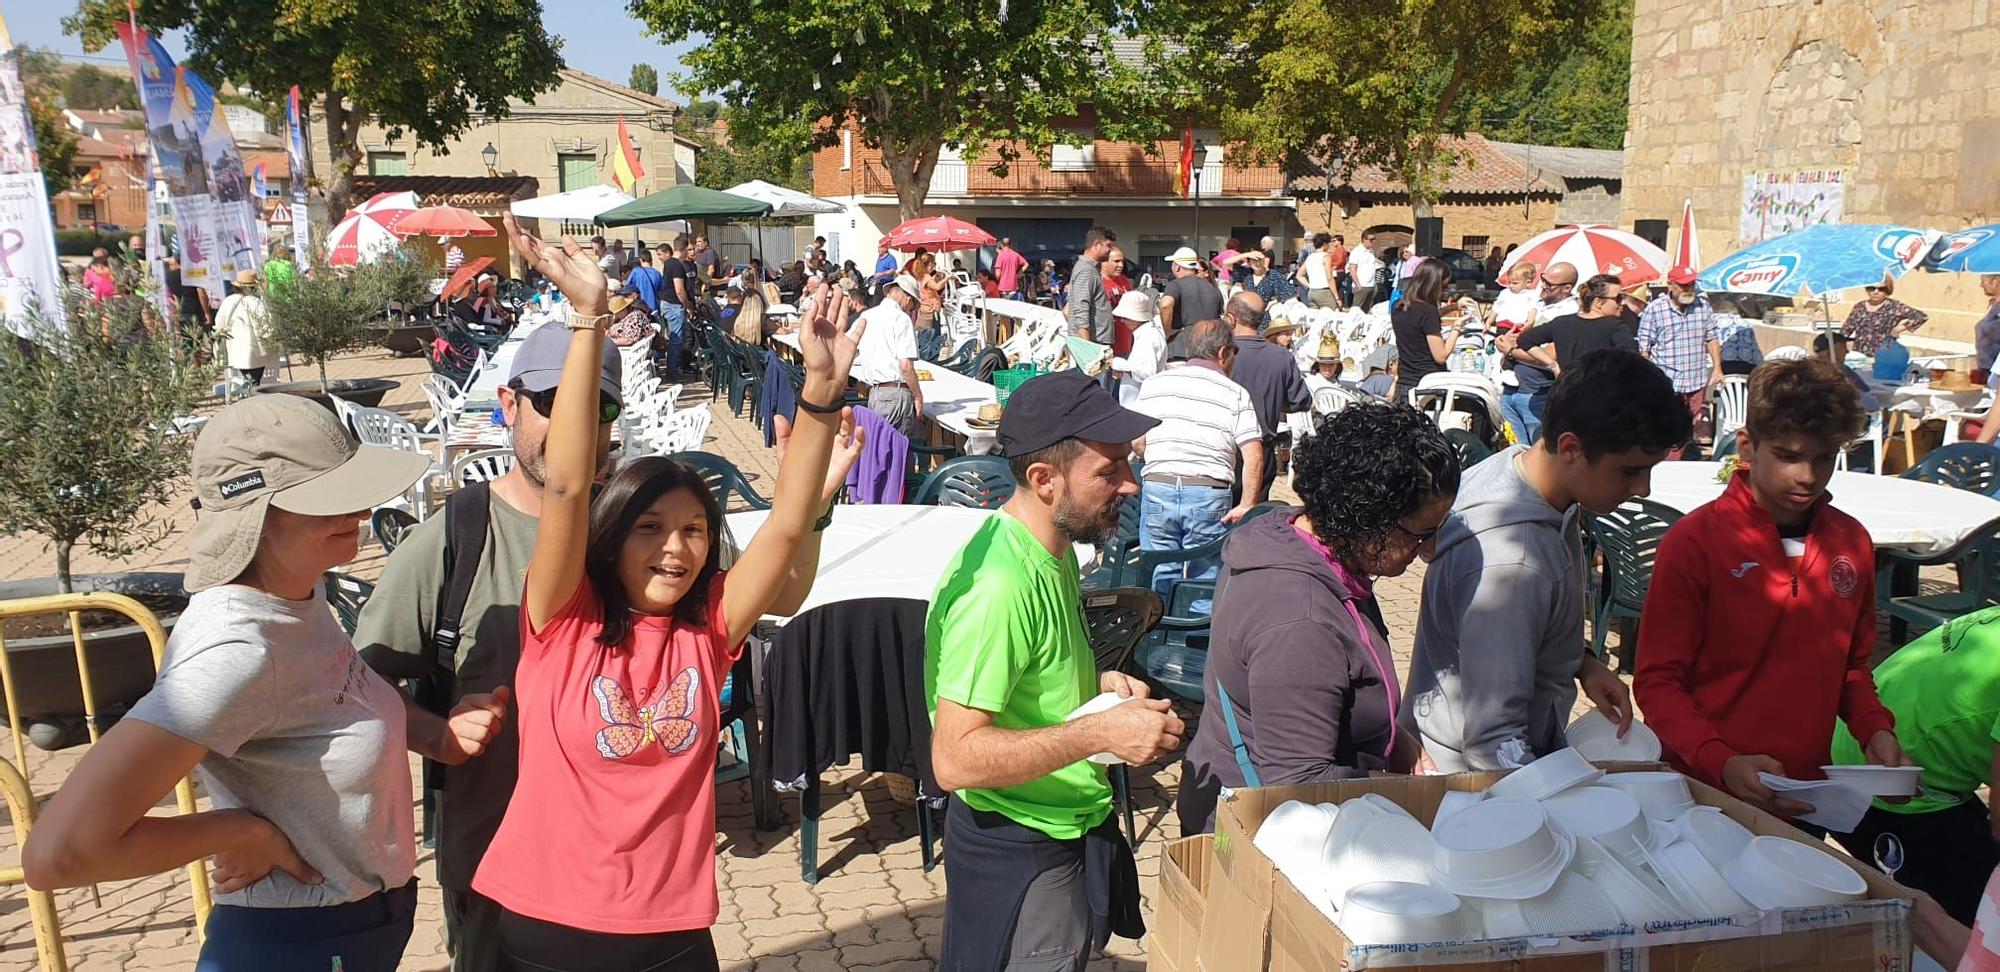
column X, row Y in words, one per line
column 882, row 551
column 950, row 399
column 1919, row 517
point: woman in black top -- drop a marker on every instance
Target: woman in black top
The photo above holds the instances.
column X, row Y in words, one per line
column 1422, row 342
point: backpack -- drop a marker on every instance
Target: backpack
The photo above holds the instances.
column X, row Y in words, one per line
column 466, row 515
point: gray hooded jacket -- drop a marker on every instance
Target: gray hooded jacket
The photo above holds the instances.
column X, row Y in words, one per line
column 1500, row 635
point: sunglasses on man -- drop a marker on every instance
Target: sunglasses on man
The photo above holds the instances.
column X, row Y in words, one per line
column 608, row 408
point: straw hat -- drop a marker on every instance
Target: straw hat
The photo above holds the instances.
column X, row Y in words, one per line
column 246, row 278
column 1329, row 347
column 1279, row 326
column 620, row 302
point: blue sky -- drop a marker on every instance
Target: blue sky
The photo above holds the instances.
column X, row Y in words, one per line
column 599, row 37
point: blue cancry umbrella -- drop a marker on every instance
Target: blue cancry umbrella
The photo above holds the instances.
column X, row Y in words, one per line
column 1820, row 260
column 1975, row 250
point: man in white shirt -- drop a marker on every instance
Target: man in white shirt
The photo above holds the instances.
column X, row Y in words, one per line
column 1365, row 264
column 886, row 360
column 1207, row 424
column 1149, row 345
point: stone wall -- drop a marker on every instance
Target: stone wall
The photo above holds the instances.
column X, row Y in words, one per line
column 1499, row 220
column 1897, row 93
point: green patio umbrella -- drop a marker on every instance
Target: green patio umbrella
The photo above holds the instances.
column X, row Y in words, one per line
column 684, row 202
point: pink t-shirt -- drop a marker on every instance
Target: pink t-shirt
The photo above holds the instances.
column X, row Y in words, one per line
column 1007, row 267
column 612, row 825
column 1982, row 953
column 101, row 284
column 1223, row 271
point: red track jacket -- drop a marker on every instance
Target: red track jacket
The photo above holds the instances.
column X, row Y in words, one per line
column 1745, row 652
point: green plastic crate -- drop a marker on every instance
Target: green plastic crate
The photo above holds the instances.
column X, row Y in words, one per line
column 1004, row 382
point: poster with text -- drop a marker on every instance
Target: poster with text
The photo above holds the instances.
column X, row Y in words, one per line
column 1778, row 202
column 177, row 156
column 30, row 280
column 238, row 236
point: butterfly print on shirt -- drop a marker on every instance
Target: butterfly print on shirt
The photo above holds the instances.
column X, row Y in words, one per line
column 669, row 719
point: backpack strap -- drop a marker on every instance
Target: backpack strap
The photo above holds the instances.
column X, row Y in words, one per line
column 466, row 516
column 1236, row 743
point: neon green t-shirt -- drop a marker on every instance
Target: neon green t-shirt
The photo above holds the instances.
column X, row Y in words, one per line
column 1945, row 691
column 1005, row 635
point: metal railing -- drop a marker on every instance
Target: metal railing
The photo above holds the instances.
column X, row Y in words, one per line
column 19, row 795
column 1101, row 178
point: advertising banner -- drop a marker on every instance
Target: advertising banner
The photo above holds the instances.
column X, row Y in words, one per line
column 29, row 275
column 295, row 130
column 1778, row 202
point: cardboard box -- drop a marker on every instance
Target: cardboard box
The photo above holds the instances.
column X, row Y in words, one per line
column 1257, row 919
column 1180, row 903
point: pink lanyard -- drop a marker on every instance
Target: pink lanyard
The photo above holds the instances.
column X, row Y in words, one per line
column 1360, row 587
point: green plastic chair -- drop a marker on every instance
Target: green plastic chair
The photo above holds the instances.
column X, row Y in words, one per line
column 980, row 482
column 389, row 525
column 1629, row 539
column 1116, row 622
column 1970, row 466
column 723, row 478
column 1470, row 450
column 347, row 594
column 1977, row 557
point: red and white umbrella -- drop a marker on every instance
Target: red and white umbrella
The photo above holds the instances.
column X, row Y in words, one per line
column 389, row 206
column 1593, row 250
column 443, row 222
column 1689, row 254
column 938, row 234
column 359, row 238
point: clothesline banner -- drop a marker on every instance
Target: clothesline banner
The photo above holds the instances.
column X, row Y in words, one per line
column 1776, row 202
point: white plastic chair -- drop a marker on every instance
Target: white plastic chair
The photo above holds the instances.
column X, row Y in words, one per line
column 1872, row 439
column 381, row 427
column 483, row 466
column 683, row 431
column 1731, row 398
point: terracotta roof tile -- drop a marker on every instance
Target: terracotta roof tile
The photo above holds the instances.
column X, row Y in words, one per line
column 1479, row 170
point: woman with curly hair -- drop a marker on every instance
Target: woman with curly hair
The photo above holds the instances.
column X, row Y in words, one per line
column 1299, row 663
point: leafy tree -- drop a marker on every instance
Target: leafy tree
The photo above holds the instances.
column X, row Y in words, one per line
column 91, row 454
column 1346, row 85
column 428, row 69
column 644, row 78
column 702, row 112
column 1578, row 99
column 321, row 314
column 777, row 157
column 914, row 76
column 93, row 87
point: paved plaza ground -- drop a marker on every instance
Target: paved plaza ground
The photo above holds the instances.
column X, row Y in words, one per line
column 874, row 908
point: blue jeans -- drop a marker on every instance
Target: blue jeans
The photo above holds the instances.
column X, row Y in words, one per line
column 1177, row 517
column 676, row 317
column 361, row 936
column 1523, row 411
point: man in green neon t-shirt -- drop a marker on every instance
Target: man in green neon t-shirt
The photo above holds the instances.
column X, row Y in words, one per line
column 1039, row 875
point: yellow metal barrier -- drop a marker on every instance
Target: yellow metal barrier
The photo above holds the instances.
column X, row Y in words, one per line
column 41, row 904
column 21, row 804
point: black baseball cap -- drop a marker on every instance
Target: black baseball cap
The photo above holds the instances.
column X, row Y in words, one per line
column 1820, row 341
column 1067, row 404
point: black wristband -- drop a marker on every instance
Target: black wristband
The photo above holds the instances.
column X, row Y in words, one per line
column 833, row 409
column 825, row 520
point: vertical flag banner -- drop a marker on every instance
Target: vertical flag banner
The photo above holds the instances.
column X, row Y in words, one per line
column 238, row 234
column 1184, row 173
column 625, row 169
column 29, row 278
column 156, row 253
column 177, row 156
column 296, row 145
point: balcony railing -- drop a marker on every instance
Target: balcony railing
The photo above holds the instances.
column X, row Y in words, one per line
column 1122, row 178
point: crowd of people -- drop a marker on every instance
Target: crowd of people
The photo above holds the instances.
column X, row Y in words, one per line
column 572, row 621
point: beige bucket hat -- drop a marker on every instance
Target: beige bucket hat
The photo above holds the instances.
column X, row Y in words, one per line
column 287, row 452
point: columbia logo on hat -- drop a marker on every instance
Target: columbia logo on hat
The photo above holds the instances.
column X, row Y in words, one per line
column 232, row 488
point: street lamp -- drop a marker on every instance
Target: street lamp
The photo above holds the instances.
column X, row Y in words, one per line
column 1194, row 179
column 490, row 156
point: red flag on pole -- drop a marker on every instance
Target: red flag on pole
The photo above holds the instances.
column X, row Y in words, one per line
column 1184, row 174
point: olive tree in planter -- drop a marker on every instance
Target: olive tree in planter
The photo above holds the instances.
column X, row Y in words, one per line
column 91, row 455
column 336, row 309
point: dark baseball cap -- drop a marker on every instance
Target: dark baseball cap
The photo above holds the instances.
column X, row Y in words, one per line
column 1820, row 341
column 538, row 365
column 1062, row 405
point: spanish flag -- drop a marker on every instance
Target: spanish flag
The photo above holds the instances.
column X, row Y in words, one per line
column 1183, row 173
column 625, row 169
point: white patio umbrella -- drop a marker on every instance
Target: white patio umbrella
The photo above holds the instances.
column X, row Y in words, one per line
column 576, row 205
column 784, row 202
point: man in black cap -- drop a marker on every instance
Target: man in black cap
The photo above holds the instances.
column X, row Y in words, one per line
column 1039, row 875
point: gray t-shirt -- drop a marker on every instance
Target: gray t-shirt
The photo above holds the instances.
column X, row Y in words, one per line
column 299, row 732
column 394, row 635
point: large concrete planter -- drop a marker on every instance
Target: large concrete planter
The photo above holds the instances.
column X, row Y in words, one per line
column 121, row 658
column 365, row 392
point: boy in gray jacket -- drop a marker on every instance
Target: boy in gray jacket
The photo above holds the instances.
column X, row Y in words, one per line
column 1500, row 648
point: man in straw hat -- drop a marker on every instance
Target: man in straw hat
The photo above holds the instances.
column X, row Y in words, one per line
column 1326, row 363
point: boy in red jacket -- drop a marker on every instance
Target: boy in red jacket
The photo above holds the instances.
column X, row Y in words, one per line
column 1761, row 619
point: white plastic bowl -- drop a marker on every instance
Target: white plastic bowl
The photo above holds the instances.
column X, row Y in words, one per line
column 1881, row 781
column 1453, row 802
column 1696, row 882
column 1104, row 701
column 1545, row 777
column 1637, row 896
column 1774, row 872
column 1400, row 913
column 1597, row 739
column 1662, row 795
column 1499, row 848
column 1292, row 835
column 1718, row 838
column 1390, row 847
column 1607, row 815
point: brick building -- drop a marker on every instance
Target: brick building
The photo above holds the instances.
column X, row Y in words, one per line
column 1047, row 200
column 1489, row 199
column 107, row 188
column 1886, row 111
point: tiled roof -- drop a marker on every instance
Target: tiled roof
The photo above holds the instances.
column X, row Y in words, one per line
column 1568, row 163
column 466, row 192
column 654, row 100
column 1480, row 169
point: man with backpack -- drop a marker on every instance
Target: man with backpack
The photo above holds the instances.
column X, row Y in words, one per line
column 447, row 613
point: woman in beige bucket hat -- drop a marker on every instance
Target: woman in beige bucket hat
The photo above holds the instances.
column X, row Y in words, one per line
column 301, row 747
